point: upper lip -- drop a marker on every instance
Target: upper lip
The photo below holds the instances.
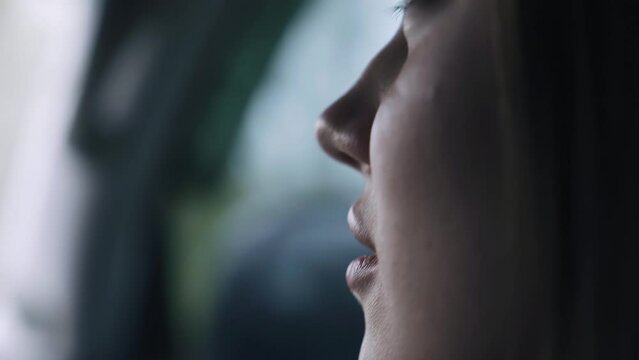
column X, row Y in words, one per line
column 358, row 227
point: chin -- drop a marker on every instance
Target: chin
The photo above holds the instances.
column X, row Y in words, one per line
column 373, row 349
column 377, row 342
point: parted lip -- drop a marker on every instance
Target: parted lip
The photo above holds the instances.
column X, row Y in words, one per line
column 357, row 225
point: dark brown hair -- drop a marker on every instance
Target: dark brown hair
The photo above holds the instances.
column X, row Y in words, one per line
column 572, row 88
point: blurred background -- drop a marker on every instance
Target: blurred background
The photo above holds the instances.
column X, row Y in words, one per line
column 161, row 192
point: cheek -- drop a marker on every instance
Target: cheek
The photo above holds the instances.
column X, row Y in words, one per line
column 402, row 138
column 436, row 179
column 434, row 146
column 399, row 142
column 432, row 159
column 397, row 151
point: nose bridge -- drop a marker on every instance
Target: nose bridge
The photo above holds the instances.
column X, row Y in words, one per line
column 344, row 128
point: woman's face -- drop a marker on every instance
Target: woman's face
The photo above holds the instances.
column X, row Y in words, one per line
column 422, row 127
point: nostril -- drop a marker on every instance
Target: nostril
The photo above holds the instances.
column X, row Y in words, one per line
column 335, row 144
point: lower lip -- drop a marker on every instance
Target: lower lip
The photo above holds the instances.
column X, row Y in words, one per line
column 360, row 273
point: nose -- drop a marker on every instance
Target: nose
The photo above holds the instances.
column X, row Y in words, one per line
column 344, row 128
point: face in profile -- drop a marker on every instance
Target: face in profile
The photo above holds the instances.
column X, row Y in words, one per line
column 422, row 127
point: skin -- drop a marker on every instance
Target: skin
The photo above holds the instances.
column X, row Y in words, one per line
column 455, row 278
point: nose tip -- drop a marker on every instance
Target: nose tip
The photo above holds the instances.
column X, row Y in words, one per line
column 345, row 136
column 333, row 143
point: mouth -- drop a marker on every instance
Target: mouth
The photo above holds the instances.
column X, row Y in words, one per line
column 357, row 225
column 361, row 271
column 360, row 275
